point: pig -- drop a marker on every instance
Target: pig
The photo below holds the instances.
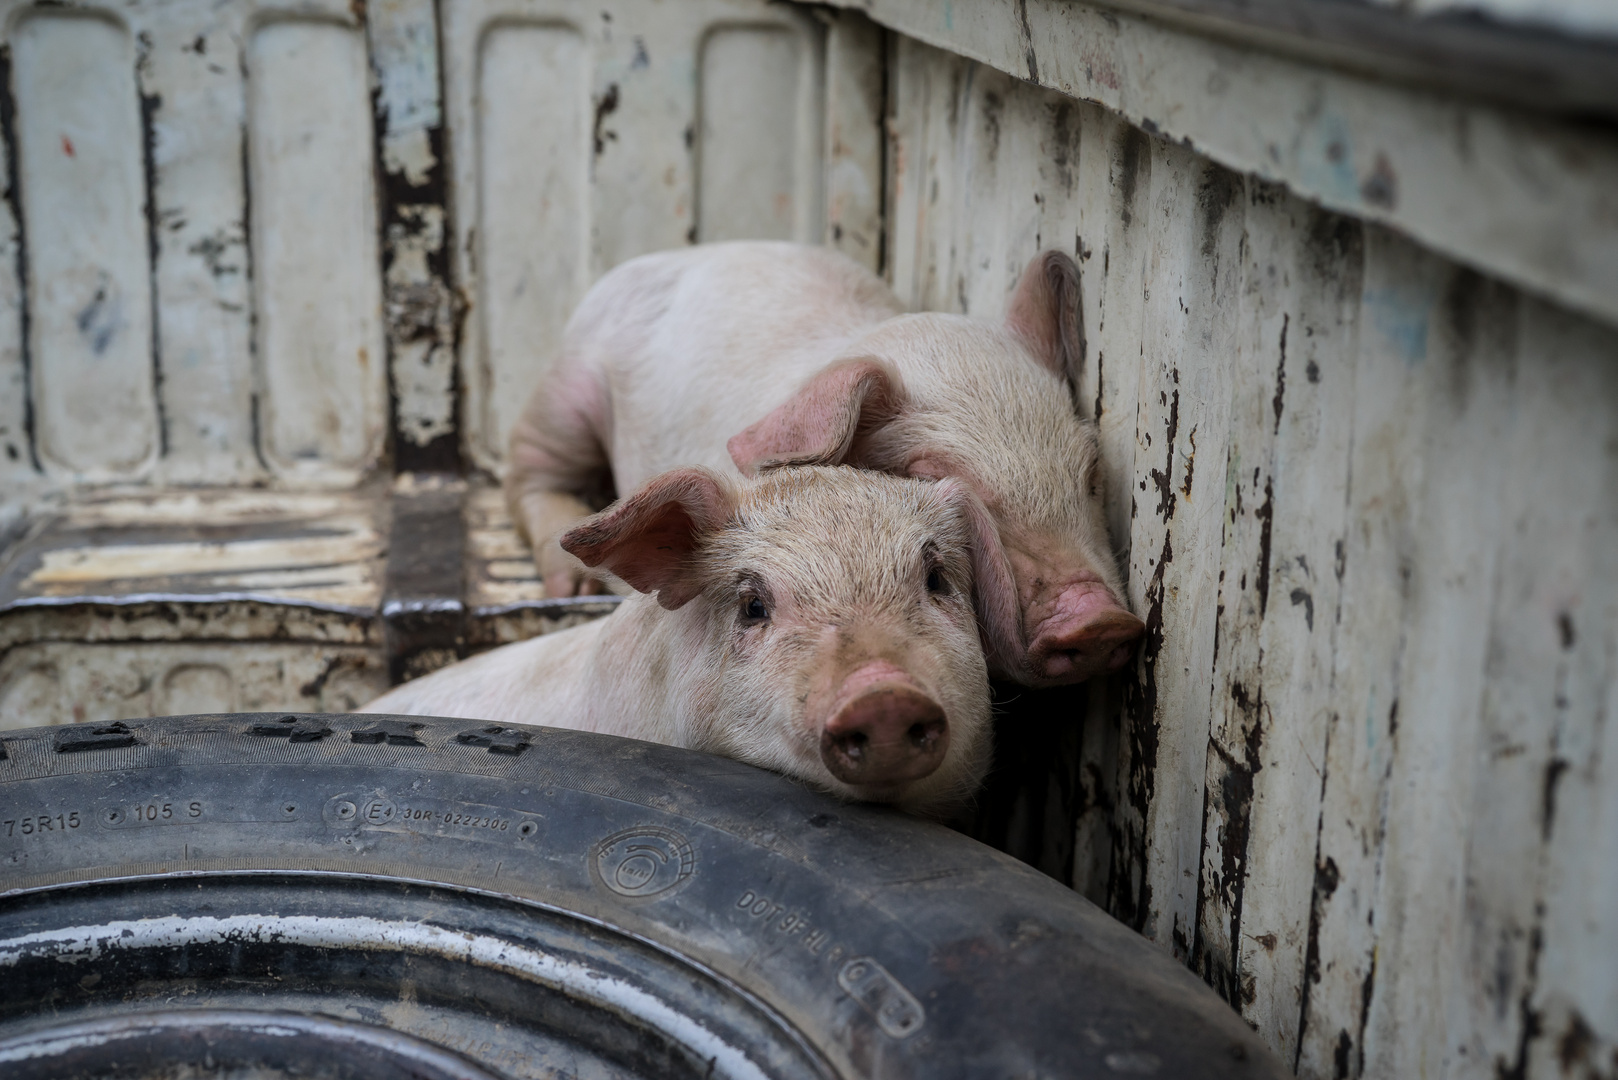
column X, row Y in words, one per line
column 818, row 621
column 741, row 356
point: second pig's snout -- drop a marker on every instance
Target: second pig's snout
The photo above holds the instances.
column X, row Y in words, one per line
column 885, row 731
column 1088, row 634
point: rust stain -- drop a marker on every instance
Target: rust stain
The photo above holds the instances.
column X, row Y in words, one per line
column 67, row 146
column 1573, row 1048
column 1129, row 888
column 1218, row 962
column 1163, row 478
column 1302, row 596
column 1098, row 68
column 605, row 106
column 1281, row 374
column 1190, row 462
column 1265, row 514
column 1027, row 41
column 1381, row 187
column 1367, row 990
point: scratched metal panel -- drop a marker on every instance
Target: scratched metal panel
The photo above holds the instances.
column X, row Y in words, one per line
column 315, row 258
column 320, row 550
column 856, row 104
column 194, row 104
column 20, row 478
column 277, row 177
column 533, row 185
column 1368, row 501
column 266, row 190
column 194, row 600
column 81, row 173
column 585, row 134
column 758, row 87
column 1530, row 198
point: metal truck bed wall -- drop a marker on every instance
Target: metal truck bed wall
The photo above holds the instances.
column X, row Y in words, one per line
column 1350, row 289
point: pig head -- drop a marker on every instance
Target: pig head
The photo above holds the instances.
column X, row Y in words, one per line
column 995, row 408
column 817, row 621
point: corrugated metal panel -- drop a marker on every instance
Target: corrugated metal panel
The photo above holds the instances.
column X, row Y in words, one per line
column 1369, row 501
column 235, row 229
column 587, row 133
column 79, row 149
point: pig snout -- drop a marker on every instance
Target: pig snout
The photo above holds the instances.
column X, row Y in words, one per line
column 884, row 731
column 1086, row 634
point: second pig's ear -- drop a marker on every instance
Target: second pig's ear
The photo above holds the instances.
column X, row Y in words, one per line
column 819, row 424
column 649, row 538
column 994, row 590
column 1044, row 315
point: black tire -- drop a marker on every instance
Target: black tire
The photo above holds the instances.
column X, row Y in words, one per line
column 359, row 896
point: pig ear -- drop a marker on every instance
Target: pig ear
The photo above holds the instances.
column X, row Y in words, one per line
column 818, row 424
column 1044, row 315
column 994, row 590
column 649, row 538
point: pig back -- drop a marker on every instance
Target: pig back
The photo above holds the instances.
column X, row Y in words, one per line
column 694, row 345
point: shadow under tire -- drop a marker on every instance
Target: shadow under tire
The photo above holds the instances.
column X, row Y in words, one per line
column 361, row 896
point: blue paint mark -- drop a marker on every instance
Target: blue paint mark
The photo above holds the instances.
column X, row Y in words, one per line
column 1325, row 154
column 1400, row 315
column 101, row 319
column 949, row 16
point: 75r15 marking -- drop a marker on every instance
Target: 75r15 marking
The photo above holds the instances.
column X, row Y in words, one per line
column 39, row 824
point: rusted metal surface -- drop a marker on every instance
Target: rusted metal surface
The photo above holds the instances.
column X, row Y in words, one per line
column 420, row 305
column 1359, row 780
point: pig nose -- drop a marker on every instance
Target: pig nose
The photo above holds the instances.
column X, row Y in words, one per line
column 1085, row 639
column 891, row 733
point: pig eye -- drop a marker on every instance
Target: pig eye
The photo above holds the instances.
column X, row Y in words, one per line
column 937, row 583
column 753, row 610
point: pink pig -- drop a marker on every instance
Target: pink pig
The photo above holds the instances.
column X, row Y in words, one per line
column 816, row 621
column 745, row 355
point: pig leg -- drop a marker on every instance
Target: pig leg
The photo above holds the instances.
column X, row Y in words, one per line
column 559, row 473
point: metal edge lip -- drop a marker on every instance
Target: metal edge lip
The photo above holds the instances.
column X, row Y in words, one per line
column 273, row 1024
column 412, row 606
column 135, row 599
column 560, row 605
column 1477, row 53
